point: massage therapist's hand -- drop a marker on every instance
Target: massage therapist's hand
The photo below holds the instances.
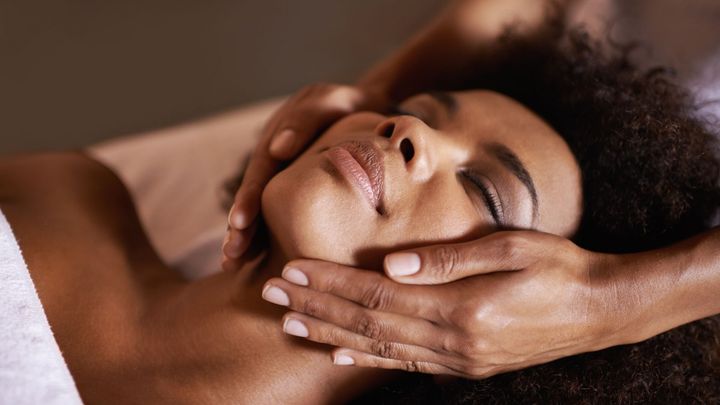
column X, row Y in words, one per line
column 504, row 302
column 291, row 128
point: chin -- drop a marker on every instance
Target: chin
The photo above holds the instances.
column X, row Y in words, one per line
column 310, row 216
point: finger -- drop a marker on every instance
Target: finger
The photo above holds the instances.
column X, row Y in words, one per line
column 237, row 242
column 299, row 128
column 304, row 118
column 316, row 330
column 500, row 251
column 252, row 255
column 229, row 264
column 347, row 357
column 375, row 325
column 367, row 288
column 260, row 170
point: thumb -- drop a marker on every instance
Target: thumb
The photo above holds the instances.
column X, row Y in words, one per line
column 300, row 123
column 439, row 264
column 300, row 128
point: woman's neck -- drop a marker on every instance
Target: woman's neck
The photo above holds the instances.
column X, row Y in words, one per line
column 304, row 369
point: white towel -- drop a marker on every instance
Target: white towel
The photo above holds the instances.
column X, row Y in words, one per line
column 32, row 369
column 176, row 176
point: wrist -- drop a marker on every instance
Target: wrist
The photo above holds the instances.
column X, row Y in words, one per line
column 614, row 310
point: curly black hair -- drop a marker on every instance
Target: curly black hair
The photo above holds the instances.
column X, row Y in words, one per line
column 650, row 178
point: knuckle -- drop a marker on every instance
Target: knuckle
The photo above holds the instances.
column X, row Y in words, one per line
column 474, row 349
column 412, row 366
column 466, row 318
column 445, row 260
column 331, row 280
column 369, row 327
column 311, row 307
column 511, row 246
column 388, row 350
column 332, row 336
column 451, row 344
column 378, row 298
column 568, row 246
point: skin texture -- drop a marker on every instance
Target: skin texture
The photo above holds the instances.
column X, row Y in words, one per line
column 426, row 197
column 122, row 318
column 456, row 45
column 636, row 297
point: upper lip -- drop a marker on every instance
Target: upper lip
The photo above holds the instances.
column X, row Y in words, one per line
column 370, row 159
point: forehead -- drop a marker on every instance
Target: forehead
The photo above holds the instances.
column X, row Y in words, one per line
column 484, row 118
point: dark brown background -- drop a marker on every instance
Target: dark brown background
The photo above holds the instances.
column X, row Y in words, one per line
column 77, row 71
column 73, row 72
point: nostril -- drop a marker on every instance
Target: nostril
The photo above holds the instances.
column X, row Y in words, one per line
column 388, row 130
column 407, row 149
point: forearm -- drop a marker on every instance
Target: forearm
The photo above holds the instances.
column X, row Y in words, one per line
column 458, row 45
column 655, row 291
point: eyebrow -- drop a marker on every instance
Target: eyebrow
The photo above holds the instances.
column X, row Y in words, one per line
column 511, row 161
column 447, row 100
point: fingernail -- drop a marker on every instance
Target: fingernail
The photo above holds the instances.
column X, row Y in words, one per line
column 275, row 295
column 238, row 220
column 295, row 328
column 282, row 142
column 343, row 360
column 225, row 242
column 402, row 264
column 230, row 215
column 295, row 276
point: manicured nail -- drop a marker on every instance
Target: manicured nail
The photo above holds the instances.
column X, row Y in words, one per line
column 295, row 328
column 282, row 142
column 343, row 360
column 239, row 220
column 230, row 215
column 402, row 264
column 295, row 276
column 275, row 295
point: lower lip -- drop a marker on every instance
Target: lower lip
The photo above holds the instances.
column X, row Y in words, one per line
column 353, row 172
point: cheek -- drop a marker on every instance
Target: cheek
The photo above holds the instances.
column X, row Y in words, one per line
column 312, row 215
column 435, row 213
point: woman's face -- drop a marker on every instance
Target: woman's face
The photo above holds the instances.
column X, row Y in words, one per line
column 451, row 167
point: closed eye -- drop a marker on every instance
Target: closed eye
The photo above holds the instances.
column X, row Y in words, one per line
column 490, row 199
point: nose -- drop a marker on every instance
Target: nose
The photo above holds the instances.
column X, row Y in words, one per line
column 412, row 138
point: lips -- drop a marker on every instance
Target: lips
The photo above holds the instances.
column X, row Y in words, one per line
column 362, row 165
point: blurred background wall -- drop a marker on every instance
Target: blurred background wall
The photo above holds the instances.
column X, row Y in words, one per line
column 73, row 72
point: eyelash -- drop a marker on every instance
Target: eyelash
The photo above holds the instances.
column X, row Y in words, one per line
column 491, row 199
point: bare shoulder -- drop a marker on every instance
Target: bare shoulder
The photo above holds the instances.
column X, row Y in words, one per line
column 72, row 217
column 68, row 190
column 87, row 254
column 27, row 178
